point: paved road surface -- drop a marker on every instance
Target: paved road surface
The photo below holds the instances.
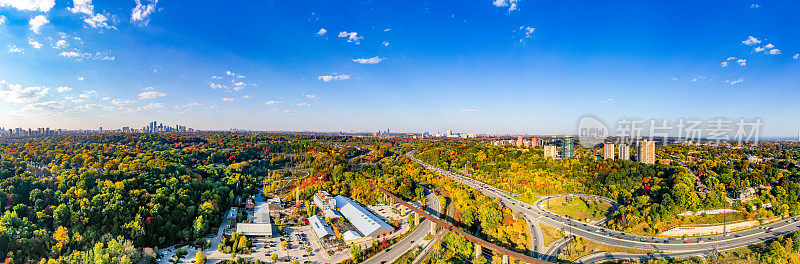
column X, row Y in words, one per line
column 415, row 238
column 673, row 246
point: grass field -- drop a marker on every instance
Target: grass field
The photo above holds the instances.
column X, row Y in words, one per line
column 550, row 234
column 584, row 247
column 717, row 219
column 579, row 208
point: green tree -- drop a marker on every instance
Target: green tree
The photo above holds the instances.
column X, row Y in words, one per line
column 200, row 226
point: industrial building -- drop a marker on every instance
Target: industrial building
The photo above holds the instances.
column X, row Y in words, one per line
column 261, row 224
column 367, row 224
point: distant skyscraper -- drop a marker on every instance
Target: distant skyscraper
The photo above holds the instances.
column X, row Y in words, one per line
column 550, row 151
column 646, row 152
column 535, row 142
column 449, row 132
column 624, row 152
column 519, row 142
column 566, row 147
column 608, row 151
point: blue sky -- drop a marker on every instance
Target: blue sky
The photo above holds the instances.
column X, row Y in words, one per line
column 472, row 66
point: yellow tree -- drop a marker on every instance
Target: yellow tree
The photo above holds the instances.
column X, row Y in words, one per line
column 62, row 237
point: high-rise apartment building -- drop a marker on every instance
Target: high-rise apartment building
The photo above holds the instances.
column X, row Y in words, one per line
column 519, row 142
column 608, row 151
column 624, row 152
column 567, row 147
column 550, row 151
column 646, row 152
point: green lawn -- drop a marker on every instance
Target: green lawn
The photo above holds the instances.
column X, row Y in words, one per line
column 579, row 208
column 550, row 234
column 584, row 247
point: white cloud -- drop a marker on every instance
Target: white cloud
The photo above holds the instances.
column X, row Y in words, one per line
column 754, row 6
column 151, row 95
column 774, row 52
column 37, row 22
column 737, row 81
column 15, row 93
column 147, row 107
column 228, row 99
column 215, row 85
column 44, row 106
column 741, row 62
column 62, row 89
column 81, row 78
column 373, row 60
column 769, row 46
column 385, row 43
column 60, row 44
column 34, row 44
column 511, row 4
column 322, row 31
column 141, row 13
column 82, row 6
column 303, row 104
column 311, row 96
column 387, row 29
column 29, row 5
column 87, row 94
column 98, row 21
column 469, row 110
column 758, row 49
column 273, row 102
column 229, row 73
column 796, row 56
column 351, row 37
column 121, row 102
column 333, row 77
column 70, row 54
column 216, row 77
column 3, row 19
column 106, row 98
column 527, row 31
column 731, row 58
column 239, row 84
column 751, row 41
column 724, row 64
column 14, row 49
column 247, row 96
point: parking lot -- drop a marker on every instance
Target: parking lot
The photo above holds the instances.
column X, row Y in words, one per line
column 298, row 239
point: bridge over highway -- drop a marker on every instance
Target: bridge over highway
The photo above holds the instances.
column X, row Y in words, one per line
column 480, row 243
column 666, row 247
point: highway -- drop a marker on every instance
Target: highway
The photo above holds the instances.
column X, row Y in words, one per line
column 415, row 238
column 673, row 247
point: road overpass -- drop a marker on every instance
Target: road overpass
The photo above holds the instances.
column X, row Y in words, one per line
column 480, row 243
column 667, row 247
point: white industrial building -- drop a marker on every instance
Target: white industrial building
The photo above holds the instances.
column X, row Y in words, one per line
column 326, row 204
column 362, row 219
column 321, row 229
column 261, row 224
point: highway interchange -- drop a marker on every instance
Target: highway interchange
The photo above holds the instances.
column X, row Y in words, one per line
column 662, row 247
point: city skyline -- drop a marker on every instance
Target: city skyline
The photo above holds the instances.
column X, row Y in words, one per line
column 481, row 67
